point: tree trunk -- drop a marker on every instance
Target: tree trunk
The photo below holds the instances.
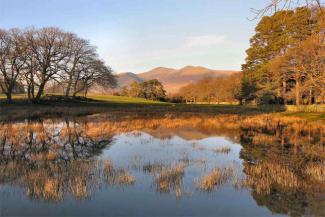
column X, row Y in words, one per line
column 310, row 96
column 9, row 96
column 28, row 93
column 40, row 92
column 297, row 92
column 86, row 92
column 278, row 94
column 31, row 88
column 67, row 91
column 284, row 91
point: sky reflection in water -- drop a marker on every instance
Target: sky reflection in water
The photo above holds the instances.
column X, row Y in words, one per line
column 168, row 165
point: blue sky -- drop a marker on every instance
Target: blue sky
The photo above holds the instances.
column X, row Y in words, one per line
column 138, row 35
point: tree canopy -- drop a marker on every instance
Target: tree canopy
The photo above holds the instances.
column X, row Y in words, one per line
column 34, row 58
column 214, row 90
column 285, row 58
column 152, row 90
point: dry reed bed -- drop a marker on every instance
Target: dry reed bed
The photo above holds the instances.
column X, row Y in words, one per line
column 215, row 179
column 96, row 125
column 45, row 144
column 264, row 176
column 115, row 176
column 316, row 171
column 167, row 178
column 51, row 181
column 222, row 150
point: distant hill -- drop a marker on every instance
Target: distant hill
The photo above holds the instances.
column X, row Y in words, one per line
column 173, row 79
column 159, row 73
column 125, row 79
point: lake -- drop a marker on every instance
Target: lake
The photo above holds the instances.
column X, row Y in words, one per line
column 162, row 165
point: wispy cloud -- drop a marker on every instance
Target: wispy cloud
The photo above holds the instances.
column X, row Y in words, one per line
column 205, row 40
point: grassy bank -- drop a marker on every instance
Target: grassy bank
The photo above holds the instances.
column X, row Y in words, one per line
column 311, row 116
column 21, row 109
column 22, row 98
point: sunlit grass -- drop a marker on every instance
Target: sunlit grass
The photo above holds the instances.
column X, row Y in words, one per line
column 104, row 98
column 14, row 96
column 316, row 171
column 167, row 178
column 264, row 176
column 214, row 179
column 261, row 135
column 312, row 116
column 123, row 99
column 22, row 109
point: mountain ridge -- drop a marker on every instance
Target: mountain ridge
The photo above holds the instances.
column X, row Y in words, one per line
column 173, row 79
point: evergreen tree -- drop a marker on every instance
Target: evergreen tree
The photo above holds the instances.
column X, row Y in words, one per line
column 274, row 36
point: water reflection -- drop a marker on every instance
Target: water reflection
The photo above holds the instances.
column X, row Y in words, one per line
column 51, row 159
column 281, row 161
column 284, row 165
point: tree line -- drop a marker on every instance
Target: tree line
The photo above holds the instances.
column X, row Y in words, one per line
column 152, row 90
column 285, row 63
column 213, row 90
column 32, row 59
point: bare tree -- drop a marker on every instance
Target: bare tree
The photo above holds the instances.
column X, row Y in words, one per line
column 12, row 60
column 38, row 57
column 276, row 5
column 93, row 72
column 47, row 51
column 79, row 51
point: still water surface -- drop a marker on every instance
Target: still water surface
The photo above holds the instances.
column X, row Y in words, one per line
column 171, row 165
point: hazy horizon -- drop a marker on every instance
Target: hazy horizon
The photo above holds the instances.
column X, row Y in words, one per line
column 137, row 36
column 174, row 68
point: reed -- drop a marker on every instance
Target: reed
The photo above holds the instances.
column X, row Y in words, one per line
column 215, row 179
column 316, row 171
column 262, row 177
column 222, row 150
column 169, row 178
column 116, row 176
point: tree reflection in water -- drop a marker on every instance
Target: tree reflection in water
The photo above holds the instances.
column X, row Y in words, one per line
column 284, row 164
column 52, row 159
column 283, row 159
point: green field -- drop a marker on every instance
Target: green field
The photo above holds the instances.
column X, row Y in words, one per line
column 103, row 98
column 123, row 99
column 311, row 116
column 15, row 96
column 22, row 109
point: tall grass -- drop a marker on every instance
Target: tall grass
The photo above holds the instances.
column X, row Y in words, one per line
column 53, row 157
column 215, row 179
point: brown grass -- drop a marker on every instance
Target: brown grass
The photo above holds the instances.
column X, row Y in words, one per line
column 291, row 149
column 264, row 176
column 215, row 179
column 222, row 150
column 170, row 178
column 316, row 171
column 116, row 176
column 167, row 178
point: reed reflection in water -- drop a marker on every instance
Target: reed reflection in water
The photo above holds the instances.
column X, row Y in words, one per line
column 269, row 162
